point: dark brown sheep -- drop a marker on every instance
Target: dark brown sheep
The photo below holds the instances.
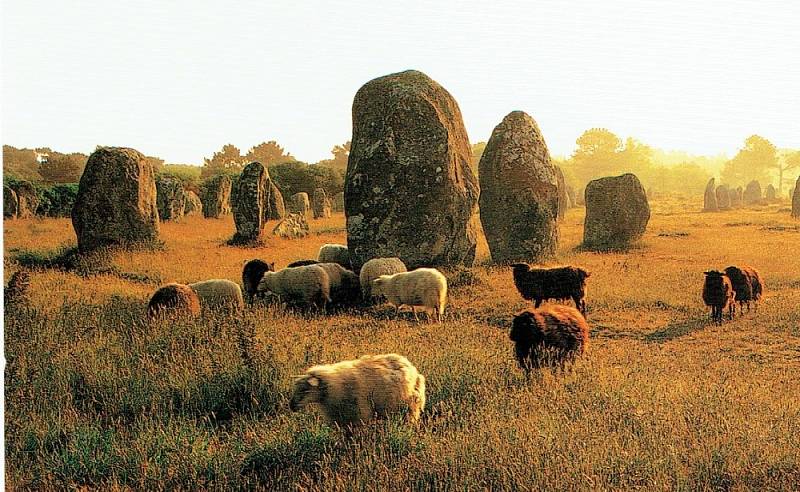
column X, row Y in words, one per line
column 549, row 335
column 252, row 273
column 300, row 263
column 747, row 284
column 561, row 283
column 175, row 300
column 718, row 294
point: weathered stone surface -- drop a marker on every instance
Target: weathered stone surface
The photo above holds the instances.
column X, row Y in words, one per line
column 521, row 193
column 617, row 212
column 796, row 199
column 710, row 197
column 321, row 204
column 409, row 189
column 249, row 200
column 771, row 194
column 116, row 203
column 292, row 226
column 723, row 197
column 193, row 203
column 215, row 194
column 338, row 202
column 27, row 199
column 736, row 197
column 563, row 197
column 276, row 209
column 300, row 204
column 10, row 203
column 170, row 198
column 752, row 194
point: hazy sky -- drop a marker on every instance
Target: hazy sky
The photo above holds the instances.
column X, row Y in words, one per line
column 179, row 79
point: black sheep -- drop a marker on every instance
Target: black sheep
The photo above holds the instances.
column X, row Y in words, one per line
column 251, row 275
column 539, row 284
column 718, row 294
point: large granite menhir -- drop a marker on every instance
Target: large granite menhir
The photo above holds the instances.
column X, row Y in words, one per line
column 617, row 212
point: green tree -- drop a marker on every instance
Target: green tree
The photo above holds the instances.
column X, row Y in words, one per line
column 21, row 163
column 598, row 154
column 786, row 162
column 268, row 153
column 752, row 162
column 55, row 167
column 341, row 153
column 228, row 160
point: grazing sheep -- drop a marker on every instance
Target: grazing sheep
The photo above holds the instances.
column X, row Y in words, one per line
column 251, row 275
column 345, row 287
column 718, row 293
column 548, row 335
column 373, row 269
column 303, row 286
column 174, row 299
column 423, row 287
column 561, row 283
column 335, row 253
column 219, row 294
column 357, row 391
column 299, row 263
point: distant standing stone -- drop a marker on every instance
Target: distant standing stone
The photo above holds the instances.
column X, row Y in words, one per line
column 723, row 197
column 736, row 197
column 249, row 199
column 116, row 202
column 617, row 212
column 563, row 196
column 771, row 193
column 521, row 192
column 321, row 205
column 293, row 226
column 410, row 191
column 276, row 209
column 796, row 199
column 752, row 194
column 171, row 199
column 710, row 197
column 338, row 202
column 27, row 199
column 215, row 194
column 299, row 204
column 193, row 203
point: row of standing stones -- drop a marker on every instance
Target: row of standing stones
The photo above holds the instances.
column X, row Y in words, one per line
column 722, row 197
column 409, row 189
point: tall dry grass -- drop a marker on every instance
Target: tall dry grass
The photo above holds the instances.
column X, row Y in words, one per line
column 663, row 400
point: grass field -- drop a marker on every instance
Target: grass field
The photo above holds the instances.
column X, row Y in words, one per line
column 664, row 399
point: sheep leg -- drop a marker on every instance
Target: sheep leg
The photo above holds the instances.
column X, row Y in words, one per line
column 414, row 310
column 537, row 303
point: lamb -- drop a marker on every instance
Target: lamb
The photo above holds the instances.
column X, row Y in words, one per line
column 373, row 269
column 218, row 294
column 718, row 293
column 303, row 286
column 251, row 275
column 549, row 335
column 174, row 300
column 302, row 263
column 423, row 287
column 357, row 391
column 344, row 284
column 539, row 284
column 335, row 253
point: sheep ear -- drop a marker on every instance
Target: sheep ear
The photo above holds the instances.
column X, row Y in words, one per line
column 313, row 381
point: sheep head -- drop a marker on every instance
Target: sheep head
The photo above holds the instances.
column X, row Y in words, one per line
column 308, row 389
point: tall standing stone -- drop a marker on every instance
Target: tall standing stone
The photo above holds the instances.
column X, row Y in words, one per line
column 723, row 197
column 617, row 212
column 563, row 197
column 321, row 204
column 771, row 194
column 116, row 202
column 170, row 198
column 193, row 203
column 215, row 194
column 710, row 197
column 409, row 189
column 338, row 202
column 10, row 203
column 276, row 209
column 299, row 204
column 796, row 199
column 521, row 193
column 752, row 194
column 249, row 200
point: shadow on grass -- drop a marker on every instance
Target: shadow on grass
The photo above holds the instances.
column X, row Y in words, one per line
column 678, row 329
column 609, row 248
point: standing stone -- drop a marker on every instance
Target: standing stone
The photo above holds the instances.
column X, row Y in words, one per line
column 580, row 197
column 563, row 197
column 752, row 194
column 723, row 197
column 193, row 203
column 27, row 199
column 617, row 212
column 321, row 204
column 215, row 194
column 410, row 191
column 170, row 197
column 710, row 197
column 736, row 197
column 116, row 202
column 10, row 203
column 338, row 202
column 521, row 192
column 276, row 209
column 299, row 204
column 249, row 200
column 796, row 199
column 771, row 193
column 292, row 227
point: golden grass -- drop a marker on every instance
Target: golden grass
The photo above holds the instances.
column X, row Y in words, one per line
column 663, row 400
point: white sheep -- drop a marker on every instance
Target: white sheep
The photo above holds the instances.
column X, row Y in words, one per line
column 376, row 267
column 357, row 391
column 344, row 284
column 218, row 293
column 304, row 285
column 423, row 287
column 335, row 253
